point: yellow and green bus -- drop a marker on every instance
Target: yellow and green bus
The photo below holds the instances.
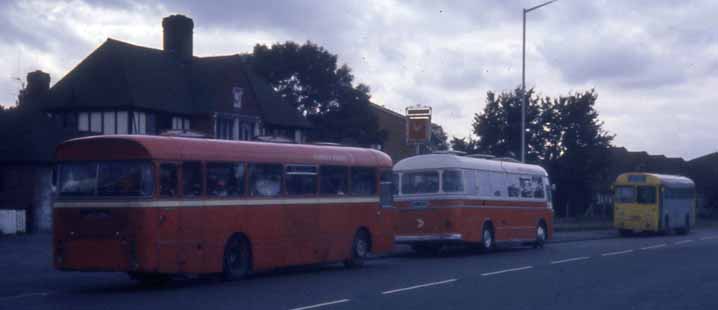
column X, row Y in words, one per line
column 653, row 203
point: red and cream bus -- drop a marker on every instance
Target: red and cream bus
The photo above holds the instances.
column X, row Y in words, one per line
column 447, row 198
column 155, row 206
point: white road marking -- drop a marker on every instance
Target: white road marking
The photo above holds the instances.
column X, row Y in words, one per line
column 329, row 303
column 684, row 241
column 506, row 270
column 569, row 260
column 709, row 237
column 417, row 286
column 43, row 294
column 650, row 247
column 617, row 253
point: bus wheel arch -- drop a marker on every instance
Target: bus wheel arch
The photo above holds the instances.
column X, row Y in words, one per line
column 237, row 258
column 360, row 248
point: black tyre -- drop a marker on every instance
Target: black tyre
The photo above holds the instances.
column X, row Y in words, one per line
column 149, row 279
column 686, row 227
column 427, row 249
column 488, row 243
column 666, row 227
column 361, row 247
column 237, row 261
column 541, row 235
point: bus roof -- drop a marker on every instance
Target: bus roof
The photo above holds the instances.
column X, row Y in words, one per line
column 654, row 179
column 444, row 161
column 130, row 147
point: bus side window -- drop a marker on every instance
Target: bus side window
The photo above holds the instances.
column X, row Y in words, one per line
column 265, row 180
column 333, row 180
column 363, row 181
column 225, row 179
column 386, row 189
column 191, row 179
column 301, row 179
column 168, row 180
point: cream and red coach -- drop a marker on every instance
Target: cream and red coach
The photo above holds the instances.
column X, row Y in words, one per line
column 449, row 198
column 153, row 206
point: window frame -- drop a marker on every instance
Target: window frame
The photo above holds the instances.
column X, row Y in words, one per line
column 250, row 190
column 202, row 177
column 95, row 195
column 375, row 181
column 345, row 184
column 286, row 174
column 158, row 187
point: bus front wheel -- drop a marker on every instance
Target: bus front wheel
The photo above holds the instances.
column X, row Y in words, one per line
column 361, row 247
column 237, row 259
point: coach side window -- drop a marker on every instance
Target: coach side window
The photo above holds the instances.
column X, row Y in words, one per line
column 333, row 180
column 452, row 181
column 301, row 179
column 265, row 180
column 192, row 179
column 168, row 180
column 513, row 185
column 225, row 179
column 363, row 181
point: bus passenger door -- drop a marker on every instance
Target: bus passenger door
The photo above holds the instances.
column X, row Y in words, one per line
column 168, row 219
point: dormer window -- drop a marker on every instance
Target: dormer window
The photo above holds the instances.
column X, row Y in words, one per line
column 237, row 93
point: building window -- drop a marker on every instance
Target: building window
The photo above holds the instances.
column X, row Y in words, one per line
column 180, row 123
column 96, row 122
column 83, row 121
column 109, row 123
column 122, row 122
column 237, row 93
column 139, row 123
column 224, row 128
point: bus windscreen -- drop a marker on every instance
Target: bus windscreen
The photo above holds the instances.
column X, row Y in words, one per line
column 105, row 179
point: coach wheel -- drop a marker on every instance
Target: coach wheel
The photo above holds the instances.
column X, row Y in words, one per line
column 149, row 279
column 666, row 227
column 686, row 227
column 487, row 238
column 361, row 247
column 237, row 259
column 541, row 235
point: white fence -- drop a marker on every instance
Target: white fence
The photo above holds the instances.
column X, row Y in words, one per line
column 12, row 221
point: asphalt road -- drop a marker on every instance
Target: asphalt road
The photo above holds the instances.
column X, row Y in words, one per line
column 649, row 272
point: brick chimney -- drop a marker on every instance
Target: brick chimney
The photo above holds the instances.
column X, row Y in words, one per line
column 177, row 36
column 38, row 82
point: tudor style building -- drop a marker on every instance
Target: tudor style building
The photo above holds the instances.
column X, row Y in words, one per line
column 122, row 88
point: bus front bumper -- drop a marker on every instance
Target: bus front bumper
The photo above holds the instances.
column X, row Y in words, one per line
column 428, row 238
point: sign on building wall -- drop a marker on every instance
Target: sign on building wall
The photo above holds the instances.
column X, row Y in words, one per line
column 418, row 124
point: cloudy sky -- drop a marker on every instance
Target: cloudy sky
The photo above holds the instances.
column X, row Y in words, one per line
column 654, row 63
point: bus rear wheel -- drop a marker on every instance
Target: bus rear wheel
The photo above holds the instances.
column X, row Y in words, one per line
column 488, row 242
column 666, row 227
column 686, row 227
column 541, row 235
column 361, row 247
column 237, row 259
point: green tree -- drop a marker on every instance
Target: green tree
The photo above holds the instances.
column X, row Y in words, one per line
column 564, row 135
column 439, row 139
column 308, row 77
column 498, row 127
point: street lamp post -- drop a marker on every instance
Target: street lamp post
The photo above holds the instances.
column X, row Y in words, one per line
column 523, row 82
